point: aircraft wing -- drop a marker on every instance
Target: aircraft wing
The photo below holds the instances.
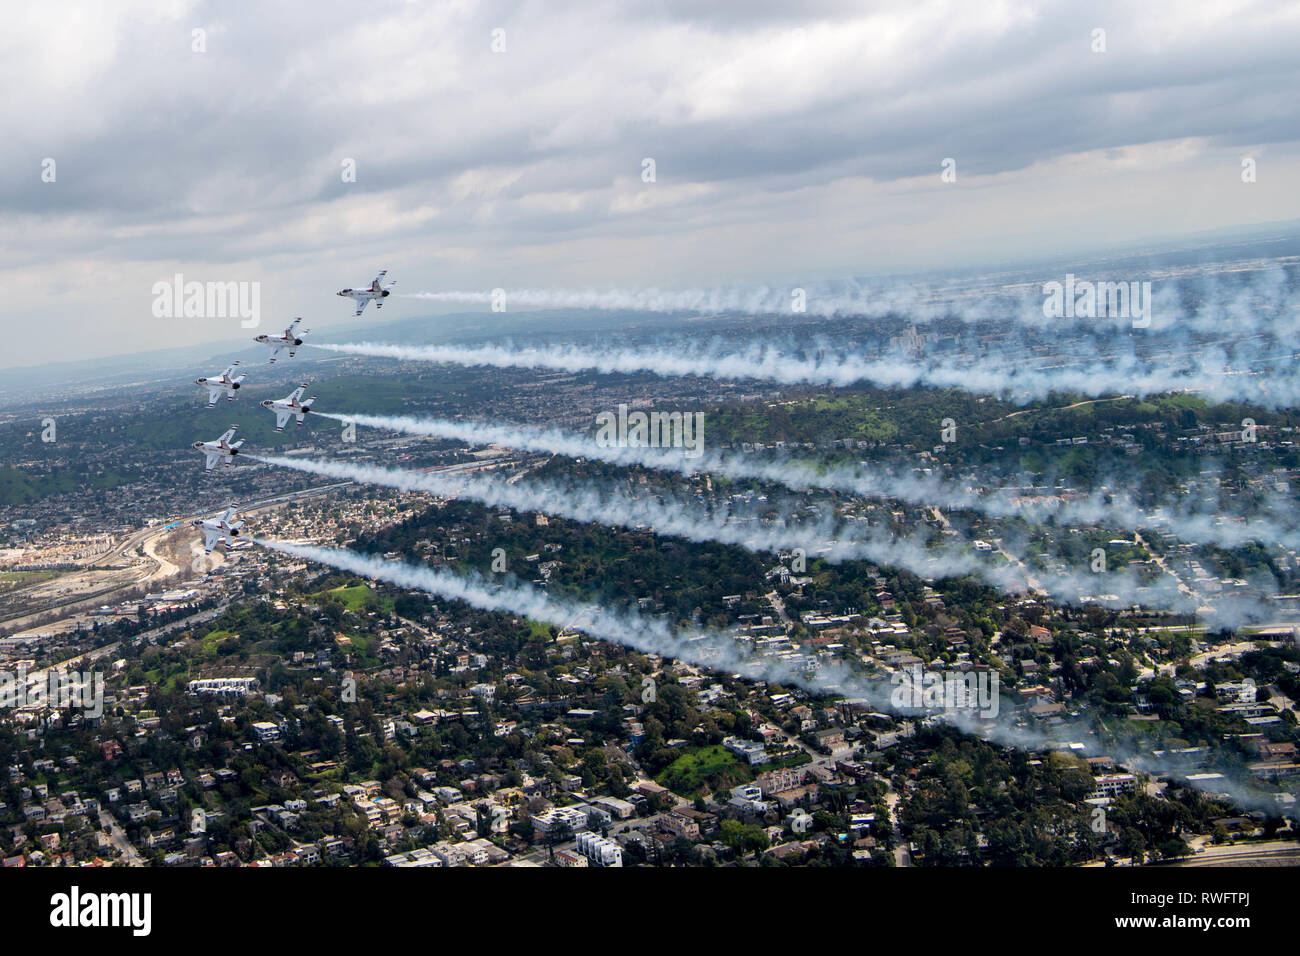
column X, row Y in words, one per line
column 213, row 395
column 212, row 457
column 361, row 305
column 275, row 350
column 210, row 538
column 281, row 416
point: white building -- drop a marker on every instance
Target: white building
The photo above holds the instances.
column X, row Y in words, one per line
column 574, row 817
column 1112, row 785
column 749, row 749
column 599, row 850
column 266, row 731
column 224, row 686
column 620, row 809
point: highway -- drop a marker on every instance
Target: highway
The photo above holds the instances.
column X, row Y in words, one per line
column 1274, row 853
column 146, row 539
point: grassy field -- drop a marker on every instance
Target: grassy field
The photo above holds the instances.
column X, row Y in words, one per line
column 15, row 579
column 358, row 597
column 715, row 766
column 539, row 629
column 209, row 642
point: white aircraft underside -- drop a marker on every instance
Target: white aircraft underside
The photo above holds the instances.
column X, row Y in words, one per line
column 376, row 293
column 219, row 530
column 215, row 451
column 293, row 405
column 224, row 384
column 290, row 340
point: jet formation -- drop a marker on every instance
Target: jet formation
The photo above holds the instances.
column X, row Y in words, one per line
column 222, row 451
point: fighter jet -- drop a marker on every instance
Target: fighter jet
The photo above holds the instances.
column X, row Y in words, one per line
column 376, row 293
column 289, row 340
column 221, row 448
column 221, row 529
column 293, row 405
column 226, row 382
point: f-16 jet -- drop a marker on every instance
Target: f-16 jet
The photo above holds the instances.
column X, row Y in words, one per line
column 290, row 340
column 376, row 292
column 226, row 382
column 223, row 447
column 293, row 405
column 221, row 529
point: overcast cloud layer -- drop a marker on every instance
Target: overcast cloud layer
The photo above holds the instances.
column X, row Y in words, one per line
column 791, row 142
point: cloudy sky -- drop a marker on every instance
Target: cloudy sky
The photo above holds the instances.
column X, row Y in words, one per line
column 503, row 144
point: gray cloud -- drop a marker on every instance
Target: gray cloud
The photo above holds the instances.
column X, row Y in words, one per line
column 783, row 142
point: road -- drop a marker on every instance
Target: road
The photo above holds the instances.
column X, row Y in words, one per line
column 1090, row 401
column 132, row 573
column 779, row 606
column 1031, row 581
column 902, row 857
column 1160, row 563
column 1275, row 853
column 150, row 636
column 115, row 833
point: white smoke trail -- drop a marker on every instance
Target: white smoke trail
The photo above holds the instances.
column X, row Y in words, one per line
column 1115, row 511
column 673, row 516
column 713, row 649
column 1017, row 377
column 705, row 647
column 853, row 541
column 1236, row 297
